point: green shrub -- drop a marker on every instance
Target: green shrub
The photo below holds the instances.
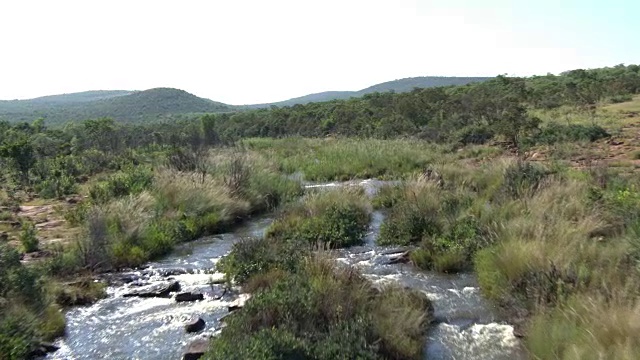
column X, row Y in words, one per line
column 474, row 134
column 616, row 99
column 28, row 237
column 321, row 311
column 133, row 181
column 77, row 214
column 17, row 333
column 334, row 219
column 523, row 179
column 556, row 133
column 266, row 344
column 254, row 256
column 408, row 224
column 6, row 215
column 27, row 314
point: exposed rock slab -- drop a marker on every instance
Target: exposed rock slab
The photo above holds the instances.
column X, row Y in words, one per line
column 189, row 296
column 160, row 290
column 196, row 349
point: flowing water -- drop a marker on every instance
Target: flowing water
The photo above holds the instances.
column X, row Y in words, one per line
column 120, row 327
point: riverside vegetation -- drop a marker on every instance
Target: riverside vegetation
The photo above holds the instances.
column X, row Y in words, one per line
column 531, row 183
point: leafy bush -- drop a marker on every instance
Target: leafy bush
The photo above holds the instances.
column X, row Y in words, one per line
column 555, row 133
column 321, row 311
column 26, row 312
column 475, row 134
column 332, row 219
column 408, row 224
column 523, row 179
column 28, row 237
column 121, row 184
column 251, row 257
column 616, row 99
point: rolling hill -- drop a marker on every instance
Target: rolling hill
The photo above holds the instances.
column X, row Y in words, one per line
column 401, row 85
column 171, row 104
column 129, row 106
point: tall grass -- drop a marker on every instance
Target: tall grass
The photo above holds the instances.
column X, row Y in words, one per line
column 138, row 217
column 343, row 159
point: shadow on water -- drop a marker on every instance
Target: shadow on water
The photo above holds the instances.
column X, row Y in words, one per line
column 120, row 327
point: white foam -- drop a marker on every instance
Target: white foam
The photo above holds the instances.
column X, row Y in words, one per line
column 478, row 341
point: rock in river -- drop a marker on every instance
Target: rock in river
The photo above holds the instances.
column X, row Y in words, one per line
column 194, row 325
column 161, row 290
column 189, row 296
column 196, row 349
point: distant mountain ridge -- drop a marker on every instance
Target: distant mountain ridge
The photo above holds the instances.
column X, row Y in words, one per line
column 83, row 96
column 122, row 105
column 399, row 86
column 171, row 104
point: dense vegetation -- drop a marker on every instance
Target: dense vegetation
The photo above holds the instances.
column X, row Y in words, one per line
column 471, row 114
column 554, row 243
column 396, row 86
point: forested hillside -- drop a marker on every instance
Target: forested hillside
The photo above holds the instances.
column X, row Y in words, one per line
column 124, row 106
column 470, row 113
column 166, row 104
column 398, row 86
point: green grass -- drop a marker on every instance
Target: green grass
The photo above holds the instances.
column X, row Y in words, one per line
column 344, row 159
column 625, row 107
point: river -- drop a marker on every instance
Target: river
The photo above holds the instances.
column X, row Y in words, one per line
column 118, row 327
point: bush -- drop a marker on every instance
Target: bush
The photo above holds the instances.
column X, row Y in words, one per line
column 616, row 99
column 28, row 237
column 251, row 257
column 475, row 134
column 555, row 133
column 407, row 224
column 523, row 179
column 27, row 314
column 334, row 219
column 133, row 181
column 322, row 311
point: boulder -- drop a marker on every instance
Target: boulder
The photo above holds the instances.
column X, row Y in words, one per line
column 161, row 290
column 196, row 349
column 171, row 272
column 401, row 258
column 189, row 296
column 194, row 325
column 239, row 302
column 43, row 349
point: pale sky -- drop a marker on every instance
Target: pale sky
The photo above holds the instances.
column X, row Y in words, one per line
column 258, row 51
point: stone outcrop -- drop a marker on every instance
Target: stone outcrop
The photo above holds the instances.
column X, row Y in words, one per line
column 188, row 296
column 161, row 290
column 194, row 325
column 196, row 349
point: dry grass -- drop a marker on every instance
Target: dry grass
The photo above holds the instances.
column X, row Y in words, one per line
column 194, row 195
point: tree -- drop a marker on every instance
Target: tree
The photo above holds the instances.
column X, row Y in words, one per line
column 21, row 156
column 209, row 134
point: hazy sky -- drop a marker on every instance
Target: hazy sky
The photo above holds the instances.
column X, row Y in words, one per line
column 242, row 52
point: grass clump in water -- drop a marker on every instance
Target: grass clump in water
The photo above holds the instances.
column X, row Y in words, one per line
column 332, row 219
column 323, row 311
